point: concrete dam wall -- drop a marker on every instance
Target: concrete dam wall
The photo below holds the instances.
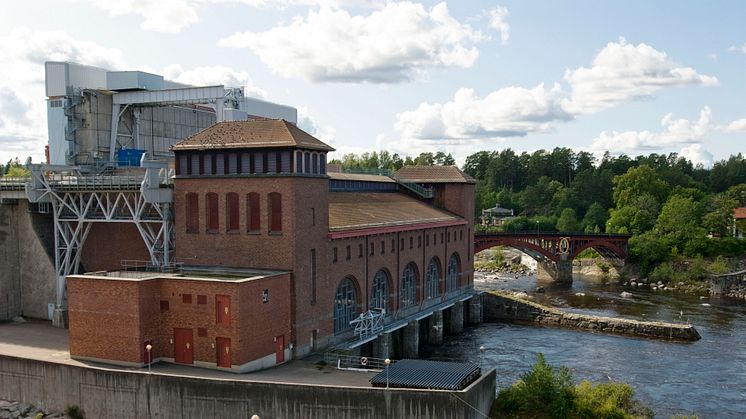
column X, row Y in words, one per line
column 27, row 274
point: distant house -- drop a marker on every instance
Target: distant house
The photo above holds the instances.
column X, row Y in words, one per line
column 739, row 223
column 496, row 216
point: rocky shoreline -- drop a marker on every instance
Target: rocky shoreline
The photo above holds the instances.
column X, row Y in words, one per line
column 17, row 410
column 501, row 306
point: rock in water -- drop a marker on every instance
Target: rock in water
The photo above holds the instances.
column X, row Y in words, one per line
column 626, row 294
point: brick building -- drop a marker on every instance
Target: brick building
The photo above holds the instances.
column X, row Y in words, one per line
column 297, row 253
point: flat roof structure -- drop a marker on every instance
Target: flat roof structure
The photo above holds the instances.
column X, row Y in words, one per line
column 360, row 177
column 195, row 273
column 432, row 174
column 424, row 374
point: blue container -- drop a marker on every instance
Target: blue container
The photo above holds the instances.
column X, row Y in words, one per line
column 130, row 157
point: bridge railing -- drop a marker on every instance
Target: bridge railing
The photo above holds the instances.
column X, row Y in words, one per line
column 527, row 233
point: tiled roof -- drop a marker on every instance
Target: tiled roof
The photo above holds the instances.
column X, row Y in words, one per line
column 359, row 177
column 252, row 134
column 433, row 174
column 739, row 213
column 353, row 211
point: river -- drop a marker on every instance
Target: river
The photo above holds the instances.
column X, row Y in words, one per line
column 706, row 378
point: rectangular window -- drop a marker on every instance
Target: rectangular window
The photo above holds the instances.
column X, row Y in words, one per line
column 360, row 250
column 223, row 309
column 427, row 240
column 372, row 249
column 164, row 305
column 393, row 245
column 275, row 215
column 401, row 246
column 441, row 238
column 461, row 235
column 231, row 212
column 313, row 276
column 348, row 252
column 252, row 212
column 192, row 213
column 383, row 247
column 186, row 298
column 411, row 242
column 449, row 237
column 334, row 253
column 201, row 299
column 211, row 208
column 419, row 242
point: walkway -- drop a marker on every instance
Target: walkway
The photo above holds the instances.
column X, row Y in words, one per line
column 41, row 341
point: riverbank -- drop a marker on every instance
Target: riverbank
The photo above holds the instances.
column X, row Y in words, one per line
column 12, row 410
column 504, row 306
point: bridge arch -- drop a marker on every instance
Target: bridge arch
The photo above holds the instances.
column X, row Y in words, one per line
column 553, row 246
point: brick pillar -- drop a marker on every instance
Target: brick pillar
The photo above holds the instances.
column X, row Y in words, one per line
column 411, row 340
column 456, row 318
column 475, row 309
column 435, row 328
column 382, row 346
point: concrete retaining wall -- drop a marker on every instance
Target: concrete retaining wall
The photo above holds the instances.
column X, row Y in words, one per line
column 498, row 307
column 26, row 237
column 106, row 393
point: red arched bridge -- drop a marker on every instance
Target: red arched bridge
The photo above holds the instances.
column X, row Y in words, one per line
column 553, row 249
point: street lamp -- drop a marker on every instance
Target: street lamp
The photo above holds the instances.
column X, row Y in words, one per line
column 481, row 359
column 387, row 362
column 537, row 228
column 148, row 348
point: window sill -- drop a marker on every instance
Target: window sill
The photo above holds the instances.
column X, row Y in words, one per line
column 212, row 232
column 254, row 232
column 233, row 232
column 275, row 233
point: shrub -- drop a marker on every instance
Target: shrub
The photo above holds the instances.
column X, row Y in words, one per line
column 663, row 272
column 75, row 412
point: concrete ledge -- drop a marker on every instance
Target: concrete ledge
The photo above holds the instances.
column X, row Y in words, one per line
column 103, row 393
column 504, row 307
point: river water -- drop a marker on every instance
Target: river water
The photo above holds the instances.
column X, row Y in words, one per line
column 706, row 378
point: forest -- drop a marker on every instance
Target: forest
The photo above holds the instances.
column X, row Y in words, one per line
column 672, row 208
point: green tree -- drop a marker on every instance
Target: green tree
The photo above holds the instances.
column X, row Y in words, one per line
column 636, row 218
column 568, row 221
column 595, row 218
column 639, row 181
column 537, row 199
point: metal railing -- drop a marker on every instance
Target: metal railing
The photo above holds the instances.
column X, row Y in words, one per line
column 13, row 183
column 418, row 189
column 344, row 361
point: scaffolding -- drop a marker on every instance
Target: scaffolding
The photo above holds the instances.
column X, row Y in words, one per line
column 139, row 197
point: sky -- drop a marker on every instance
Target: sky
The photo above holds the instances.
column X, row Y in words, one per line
column 632, row 77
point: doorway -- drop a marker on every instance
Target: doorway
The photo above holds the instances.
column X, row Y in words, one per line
column 183, row 346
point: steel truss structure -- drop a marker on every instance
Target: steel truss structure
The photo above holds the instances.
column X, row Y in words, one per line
column 143, row 198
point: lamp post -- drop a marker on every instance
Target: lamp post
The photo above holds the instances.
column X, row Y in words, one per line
column 537, row 229
column 149, row 348
column 387, row 362
column 481, row 357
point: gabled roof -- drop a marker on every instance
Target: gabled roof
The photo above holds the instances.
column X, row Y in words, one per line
column 739, row 213
column 432, row 174
column 361, row 177
column 252, row 134
column 361, row 210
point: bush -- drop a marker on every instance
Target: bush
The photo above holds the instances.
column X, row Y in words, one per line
column 75, row 412
column 548, row 392
column 663, row 272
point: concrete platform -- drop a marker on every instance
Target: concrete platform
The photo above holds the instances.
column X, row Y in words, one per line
column 39, row 340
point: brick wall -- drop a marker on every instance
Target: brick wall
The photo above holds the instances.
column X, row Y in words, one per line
column 131, row 313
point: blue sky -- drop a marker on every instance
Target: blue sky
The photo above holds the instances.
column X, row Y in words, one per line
column 629, row 77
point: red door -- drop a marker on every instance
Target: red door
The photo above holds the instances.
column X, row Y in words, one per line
column 280, row 349
column 183, row 346
column 223, row 355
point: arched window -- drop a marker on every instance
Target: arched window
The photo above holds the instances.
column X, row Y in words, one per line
column 454, row 272
column 432, row 279
column 379, row 293
column 275, row 212
column 253, row 220
column 306, row 162
column 408, row 294
column 315, row 163
column 211, row 209
column 192, row 213
column 231, row 212
column 345, row 305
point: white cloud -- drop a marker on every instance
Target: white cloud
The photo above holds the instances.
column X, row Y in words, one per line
column 387, row 46
column 168, row 16
column 697, row 155
column 622, row 72
column 739, row 125
column 214, row 75
column 676, row 133
column 734, row 48
column 507, row 112
column 23, row 116
column 499, row 23
column 309, row 124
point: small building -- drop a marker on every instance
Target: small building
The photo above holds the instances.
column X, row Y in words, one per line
column 496, row 216
column 739, row 223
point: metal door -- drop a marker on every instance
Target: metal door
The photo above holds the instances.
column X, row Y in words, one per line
column 223, row 355
column 280, row 349
column 183, row 346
